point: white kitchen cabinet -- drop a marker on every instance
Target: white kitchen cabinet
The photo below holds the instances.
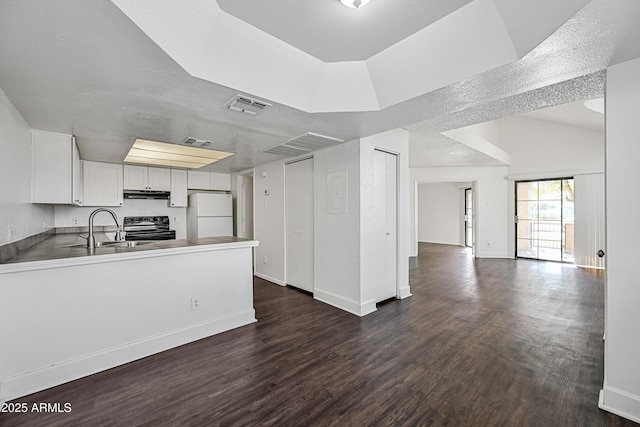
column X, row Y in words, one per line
column 147, row 178
column 103, row 184
column 198, row 180
column 178, row 196
column 56, row 174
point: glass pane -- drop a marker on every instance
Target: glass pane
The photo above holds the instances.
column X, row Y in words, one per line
column 527, row 210
column 550, row 210
column 550, row 190
column 526, row 248
column 527, row 190
column 527, row 229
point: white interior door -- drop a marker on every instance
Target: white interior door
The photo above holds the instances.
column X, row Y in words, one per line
column 299, row 224
column 386, row 211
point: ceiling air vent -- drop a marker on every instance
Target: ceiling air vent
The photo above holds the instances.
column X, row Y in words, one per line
column 193, row 142
column 302, row 144
column 246, row 105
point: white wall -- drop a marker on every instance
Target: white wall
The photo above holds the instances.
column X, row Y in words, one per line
column 18, row 217
column 337, row 236
column 621, row 389
column 439, row 213
column 268, row 221
column 491, row 208
column 541, row 149
column 340, row 240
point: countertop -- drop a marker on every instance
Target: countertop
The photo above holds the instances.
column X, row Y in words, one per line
column 72, row 246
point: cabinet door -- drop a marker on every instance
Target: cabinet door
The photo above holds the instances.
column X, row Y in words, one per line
column 220, row 181
column 178, row 188
column 77, row 175
column 198, row 180
column 103, row 184
column 135, row 177
column 159, row 179
column 52, row 163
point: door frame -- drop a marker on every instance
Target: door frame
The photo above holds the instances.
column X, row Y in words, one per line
column 515, row 217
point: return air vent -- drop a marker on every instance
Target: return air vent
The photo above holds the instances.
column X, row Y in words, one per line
column 302, row 144
column 193, row 142
column 246, row 105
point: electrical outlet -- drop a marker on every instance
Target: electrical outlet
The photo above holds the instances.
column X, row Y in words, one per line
column 74, row 221
column 264, row 259
column 489, row 243
column 195, row 303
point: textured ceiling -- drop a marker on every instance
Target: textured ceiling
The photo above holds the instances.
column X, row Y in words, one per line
column 85, row 68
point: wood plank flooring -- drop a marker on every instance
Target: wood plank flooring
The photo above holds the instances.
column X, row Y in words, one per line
column 480, row 343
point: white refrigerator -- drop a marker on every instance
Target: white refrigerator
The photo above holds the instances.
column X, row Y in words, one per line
column 209, row 214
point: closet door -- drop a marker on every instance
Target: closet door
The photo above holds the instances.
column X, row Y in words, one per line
column 299, row 224
column 386, row 208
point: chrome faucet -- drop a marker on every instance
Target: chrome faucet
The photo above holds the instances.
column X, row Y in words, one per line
column 91, row 240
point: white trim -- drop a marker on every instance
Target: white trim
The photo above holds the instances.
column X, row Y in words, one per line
column 60, row 373
column 404, row 292
column 620, row 402
column 494, row 255
column 270, row 279
column 553, row 174
column 346, row 304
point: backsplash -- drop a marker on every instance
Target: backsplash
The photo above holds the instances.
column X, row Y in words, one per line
column 73, row 216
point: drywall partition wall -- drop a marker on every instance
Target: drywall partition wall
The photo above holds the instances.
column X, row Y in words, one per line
column 397, row 142
column 75, row 216
column 541, row 149
column 268, row 222
column 491, row 210
column 18, row 217
column 337, row 227
column 621, row 390
column 439, row 213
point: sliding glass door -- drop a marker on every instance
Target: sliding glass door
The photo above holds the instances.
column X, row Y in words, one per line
column 544, row 219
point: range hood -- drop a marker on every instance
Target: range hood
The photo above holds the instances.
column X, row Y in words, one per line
column 146, row 194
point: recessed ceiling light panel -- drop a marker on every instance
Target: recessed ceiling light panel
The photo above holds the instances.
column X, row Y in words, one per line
column 148, row 152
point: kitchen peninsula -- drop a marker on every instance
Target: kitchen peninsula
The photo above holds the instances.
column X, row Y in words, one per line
column 68, row 313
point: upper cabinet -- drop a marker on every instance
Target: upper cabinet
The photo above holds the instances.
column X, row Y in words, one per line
column 198, row 180
column 56, row 171
column 178, row 196
column 103, row 184
column 147, row 178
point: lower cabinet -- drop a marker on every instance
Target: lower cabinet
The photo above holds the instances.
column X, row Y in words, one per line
column 103, row 184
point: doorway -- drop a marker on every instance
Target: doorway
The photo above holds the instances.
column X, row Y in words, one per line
column 299, row 223
column 545, row 219
column 468, row 217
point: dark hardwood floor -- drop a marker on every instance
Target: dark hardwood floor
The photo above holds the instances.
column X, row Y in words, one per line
column 480, row 342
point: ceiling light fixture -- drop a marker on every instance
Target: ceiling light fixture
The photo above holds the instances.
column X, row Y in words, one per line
column 355, row 4
column 164, row 154
column 596, row 105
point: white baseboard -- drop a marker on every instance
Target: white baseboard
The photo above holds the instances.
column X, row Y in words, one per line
column 404, row 292
column 60, row 373
column 345, row 304
column 620, row 402
column 493, row 255
column 270, row 279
